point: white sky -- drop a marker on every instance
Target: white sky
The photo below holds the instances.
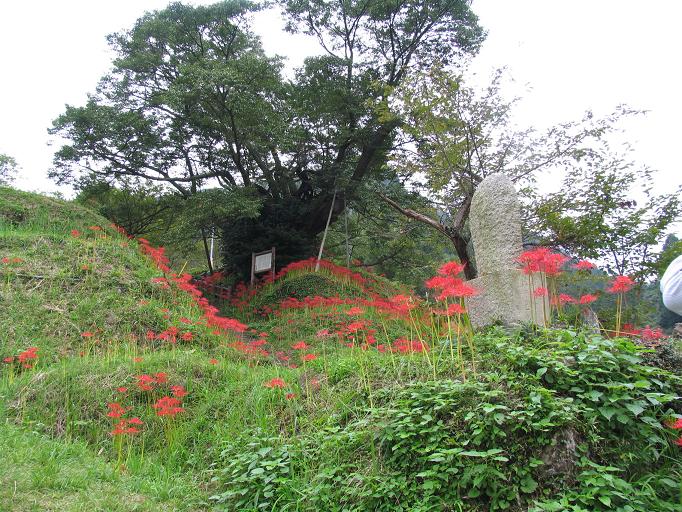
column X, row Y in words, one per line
column 573, row 54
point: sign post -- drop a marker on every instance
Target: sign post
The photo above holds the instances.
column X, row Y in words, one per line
column 262, row 262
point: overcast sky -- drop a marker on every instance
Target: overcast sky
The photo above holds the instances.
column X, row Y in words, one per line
column 565, row 56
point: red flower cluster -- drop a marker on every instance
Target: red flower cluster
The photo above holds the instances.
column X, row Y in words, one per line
column 13, row 261
column 584, row 265
column 26, row 358
column 275, row 383
column 676, row 425
column 124, row 427
column 157, row 254
column 620, row 284
column 447, row 284
column 405, row 346
column 116, row 410
column 337, row 270
column 168, row 406
column 541, row 259
column 148, row 382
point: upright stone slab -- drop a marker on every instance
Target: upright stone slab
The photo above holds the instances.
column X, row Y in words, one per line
column 504, row 290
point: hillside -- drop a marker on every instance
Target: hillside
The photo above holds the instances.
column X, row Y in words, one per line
column 123, row 390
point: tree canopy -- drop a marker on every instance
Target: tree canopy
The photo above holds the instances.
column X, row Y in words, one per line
column 458, row 135
column 192, row 101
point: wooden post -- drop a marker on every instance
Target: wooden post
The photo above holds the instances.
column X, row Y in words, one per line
column 326, row 228
column 253, row 268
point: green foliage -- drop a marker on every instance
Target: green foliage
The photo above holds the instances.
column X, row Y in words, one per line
column 605, row 376
column 138, row 209
column 601, row 489
column 8, row 169
column 601, row 218
column 218, row 112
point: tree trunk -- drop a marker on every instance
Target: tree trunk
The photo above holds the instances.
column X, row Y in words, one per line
column 453, row 234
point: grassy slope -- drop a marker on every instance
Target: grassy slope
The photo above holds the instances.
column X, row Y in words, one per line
column 50, row 299
column 365, row 431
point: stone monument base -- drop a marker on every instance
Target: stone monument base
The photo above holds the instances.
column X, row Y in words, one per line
column 505, row 297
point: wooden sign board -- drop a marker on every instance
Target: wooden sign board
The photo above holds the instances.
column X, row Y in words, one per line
column 262, row 262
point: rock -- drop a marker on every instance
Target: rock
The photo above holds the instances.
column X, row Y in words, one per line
column 561, row 457
column 504, row 290
column 677, row 330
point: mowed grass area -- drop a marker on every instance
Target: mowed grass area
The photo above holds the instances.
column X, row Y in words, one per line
column 345, row 393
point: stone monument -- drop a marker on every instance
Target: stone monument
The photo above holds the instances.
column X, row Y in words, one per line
column 504, row 291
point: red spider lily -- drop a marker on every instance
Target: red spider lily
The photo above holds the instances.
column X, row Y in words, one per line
column 630, row 330
column 213, row 361
column 450, row 287
column 355, row 311
column 5, row 260
column 168, row 406
column 275, row 383
column 405, row 346
column 8, row 360
column 553, row 262
column 122, row 389
column 301, row 345
column 588, row 298
column 187, row 336
column 75, row 233
column 678, row 442
column 584, row 265
column 540, row 291
column 452, row 309
column 118, row 228
column 116, row 410
column 620, row 284
column 562, row 298
column 649, row 334
column 458, row 289
column 439, row 282
column 87, row 334
column 677, row 424
column 290, row 396
column 532, row 259
column 137, row 359
column 451, row 268
column 309, row 357
column 355, row 326
column 94, row 228
column 161, row 377
column 323, row 333
column 185, row 320
column 151, row 335
column 145, row 382
column 541, row 259
column 178, row 391
column 30, row 354
column 123, row 427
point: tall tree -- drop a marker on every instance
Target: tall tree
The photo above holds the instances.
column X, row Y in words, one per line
column 193, row 100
